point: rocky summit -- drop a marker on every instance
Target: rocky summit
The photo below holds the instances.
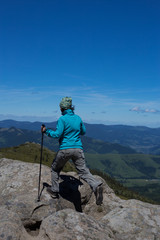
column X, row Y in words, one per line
column 74, row 216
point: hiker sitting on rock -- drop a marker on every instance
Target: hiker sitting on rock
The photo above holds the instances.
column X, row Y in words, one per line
column 68, row 130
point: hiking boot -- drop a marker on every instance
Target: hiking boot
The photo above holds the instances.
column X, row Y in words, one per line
column 99, row 195
column 54, row 195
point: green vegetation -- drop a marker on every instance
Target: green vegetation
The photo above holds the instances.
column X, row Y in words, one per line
column 123, row 166
column 137, row 172
column 149, row 188
column 30, row 152
column 120, row 190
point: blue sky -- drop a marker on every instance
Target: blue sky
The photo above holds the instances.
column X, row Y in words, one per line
column 105, row 54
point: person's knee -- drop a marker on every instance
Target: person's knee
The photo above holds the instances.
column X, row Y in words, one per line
column 55, row 168
column 83, row 172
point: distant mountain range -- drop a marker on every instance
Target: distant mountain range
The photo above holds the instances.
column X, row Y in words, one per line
column 35, row 126
column 13, row 137
column 141, row 139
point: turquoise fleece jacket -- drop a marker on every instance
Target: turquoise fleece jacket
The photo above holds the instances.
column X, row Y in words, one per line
column 68, row 130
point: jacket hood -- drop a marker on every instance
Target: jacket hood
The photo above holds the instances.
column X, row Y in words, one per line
column 68, row 111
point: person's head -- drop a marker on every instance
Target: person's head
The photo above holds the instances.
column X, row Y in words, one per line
column 66, row 103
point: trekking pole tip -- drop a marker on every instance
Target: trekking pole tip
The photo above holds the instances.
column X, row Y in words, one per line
column 37, row 200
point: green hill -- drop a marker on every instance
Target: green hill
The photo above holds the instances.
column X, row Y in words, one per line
column 138, row 172
column 30, row 152
column 126, row 166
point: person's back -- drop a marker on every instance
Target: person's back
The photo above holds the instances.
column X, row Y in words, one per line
column 73, row 128
column 68, row 130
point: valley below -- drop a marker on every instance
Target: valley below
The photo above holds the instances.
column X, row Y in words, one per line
column 150, row 188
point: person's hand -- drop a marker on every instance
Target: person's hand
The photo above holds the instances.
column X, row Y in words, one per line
column 43, row 128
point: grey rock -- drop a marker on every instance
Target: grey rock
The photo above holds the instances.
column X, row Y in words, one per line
column 74, row 215
column 11, row 225
column 19, row 183
column 135, row 220
column 68, row 224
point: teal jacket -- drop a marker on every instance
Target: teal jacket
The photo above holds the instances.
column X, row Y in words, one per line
column 68, row 130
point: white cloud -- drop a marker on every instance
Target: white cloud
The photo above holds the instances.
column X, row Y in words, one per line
column 141, row 110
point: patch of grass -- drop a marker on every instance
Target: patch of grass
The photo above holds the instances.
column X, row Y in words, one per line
column 30, row 152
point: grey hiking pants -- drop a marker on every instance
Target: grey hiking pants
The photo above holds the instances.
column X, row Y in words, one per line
column 78, row 159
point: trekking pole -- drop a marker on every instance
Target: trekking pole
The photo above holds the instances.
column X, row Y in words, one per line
column 40, row 166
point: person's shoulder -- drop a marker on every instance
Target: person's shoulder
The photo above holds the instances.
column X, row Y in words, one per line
column 61, row 118
column 78, row 117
